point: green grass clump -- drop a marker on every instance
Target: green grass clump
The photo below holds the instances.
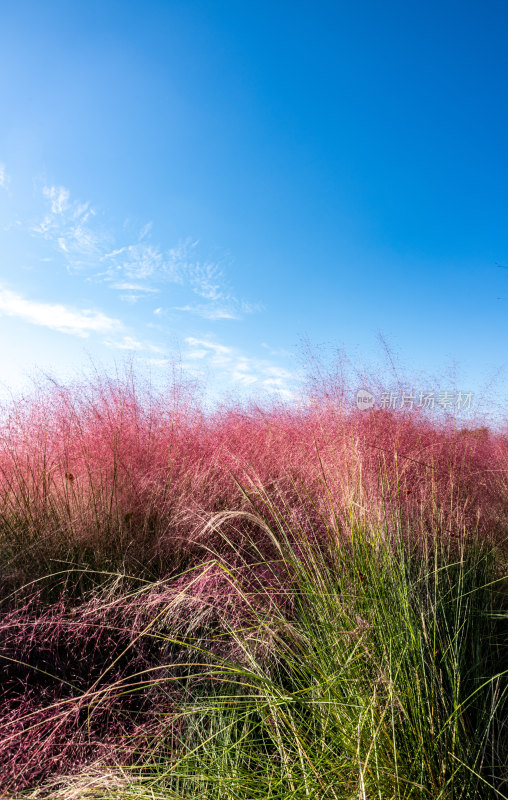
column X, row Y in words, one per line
column 381, row 675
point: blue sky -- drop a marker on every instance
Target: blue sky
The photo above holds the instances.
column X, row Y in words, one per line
column 220, row 181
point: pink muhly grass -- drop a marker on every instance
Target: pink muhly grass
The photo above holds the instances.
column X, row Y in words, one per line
column 109, row 477
column 121, row 472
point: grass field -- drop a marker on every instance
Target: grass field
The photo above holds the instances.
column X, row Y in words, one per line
column 295, row 602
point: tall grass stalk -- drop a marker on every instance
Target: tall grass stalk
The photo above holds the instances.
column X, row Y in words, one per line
column 382, row 674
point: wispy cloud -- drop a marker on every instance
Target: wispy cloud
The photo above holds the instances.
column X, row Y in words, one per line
column 214, row 347
column 206, row 312
column 87, row 243
column 130, row 343
column 169, row 280
column 4, row 178
column 138, row 261
column 135, row 287
column 206, row 279
column 125, row 343
column 58, row 197
column 237, row 368
column 68, row 225
column 56, row 316
column 132, row 292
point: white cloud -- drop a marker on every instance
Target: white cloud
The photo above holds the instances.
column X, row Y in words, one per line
column 130, row 343
column 126, row 343
column 197, row 354
column 279, row 351
column 145, row 230
column 205, row 280
column 158, row 362
column 207, row 312
column 58, row 197
column 237, row 376
column 155, row 348
column 68, row 224
column 88, row 243
column 237, row 368
column 56, row 316
column 4, row 178
column 128, row 261
column 134, row 287
column 214, row 347
column 278, row 372
column 134, row 261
